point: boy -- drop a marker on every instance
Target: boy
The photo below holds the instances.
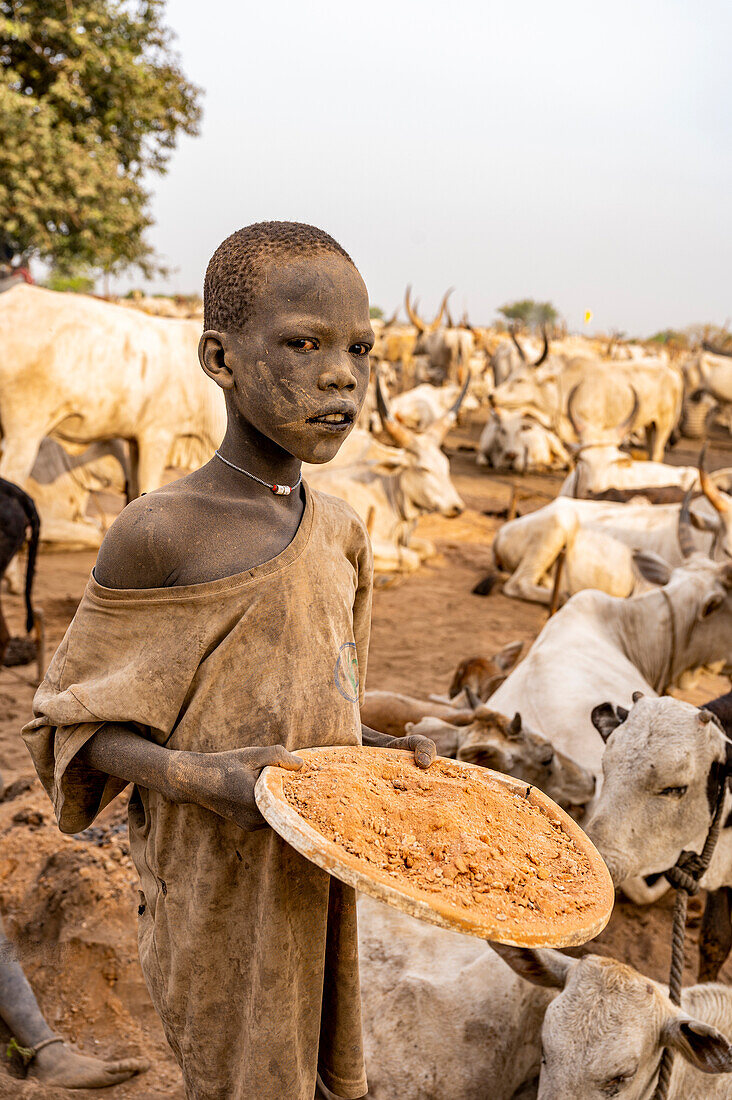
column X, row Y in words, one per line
column 223, row 626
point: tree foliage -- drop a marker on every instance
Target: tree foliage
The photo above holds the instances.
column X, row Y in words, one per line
column 529, row 313
column 92, row 97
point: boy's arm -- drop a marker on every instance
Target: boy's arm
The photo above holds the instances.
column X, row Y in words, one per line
column 424, row 750
column 222, row 782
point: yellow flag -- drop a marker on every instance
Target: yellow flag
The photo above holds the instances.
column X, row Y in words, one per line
column 588, row 316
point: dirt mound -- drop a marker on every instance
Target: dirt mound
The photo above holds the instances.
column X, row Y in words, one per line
column 68, row 905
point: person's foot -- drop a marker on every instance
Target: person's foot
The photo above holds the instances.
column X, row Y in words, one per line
column 59, row 1064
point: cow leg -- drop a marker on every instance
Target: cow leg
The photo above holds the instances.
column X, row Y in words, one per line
column 4, row 635
column 524, row 582
column 147, row 465
column 715, row 939
column 423, row 547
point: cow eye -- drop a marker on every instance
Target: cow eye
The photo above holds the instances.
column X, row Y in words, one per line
column 674, row 792
column 613, row 1086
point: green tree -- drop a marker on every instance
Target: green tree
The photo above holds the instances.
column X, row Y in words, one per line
column 530, row 314
column 92, row 97
column 377, row 313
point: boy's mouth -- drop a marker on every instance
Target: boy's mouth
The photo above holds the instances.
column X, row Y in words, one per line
column 336, row 421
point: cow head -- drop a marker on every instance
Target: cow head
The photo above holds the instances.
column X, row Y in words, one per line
column 663, row 765
column 604, row 1033
column 483, row 675
column 505, row 745
column 425, row 482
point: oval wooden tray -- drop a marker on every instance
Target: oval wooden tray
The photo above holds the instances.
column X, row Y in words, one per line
column 570, row 931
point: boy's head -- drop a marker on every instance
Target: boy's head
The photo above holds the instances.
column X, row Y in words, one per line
column 287, row 335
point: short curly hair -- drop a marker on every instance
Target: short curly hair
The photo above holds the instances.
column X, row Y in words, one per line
column 235, row 270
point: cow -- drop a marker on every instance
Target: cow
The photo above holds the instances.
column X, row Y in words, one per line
column 483, row 675
column 390, row 495
column 543, row 393
column 599, row 538
column 599, row 647
column 421, row 406
column 492, row 740
column 487, row 1023
column 81, row 370
column 601, row 465
column 446, row 349
column 515, row 441
column 19, row 519
column 665, row 764
column 605, row 1032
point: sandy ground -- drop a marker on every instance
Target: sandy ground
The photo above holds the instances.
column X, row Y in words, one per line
column 69, row 902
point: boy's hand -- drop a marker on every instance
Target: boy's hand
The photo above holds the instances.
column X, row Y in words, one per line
column 224, row 782
column 424, row 750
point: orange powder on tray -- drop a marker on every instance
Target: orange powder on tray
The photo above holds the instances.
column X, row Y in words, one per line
column 452, row 832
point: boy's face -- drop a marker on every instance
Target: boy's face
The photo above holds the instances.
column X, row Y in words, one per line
column 299, row 369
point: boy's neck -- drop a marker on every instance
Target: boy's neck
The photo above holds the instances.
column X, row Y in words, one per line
column 248, row 449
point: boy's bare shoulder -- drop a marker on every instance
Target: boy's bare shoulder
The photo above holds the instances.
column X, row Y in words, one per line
column 141, row 548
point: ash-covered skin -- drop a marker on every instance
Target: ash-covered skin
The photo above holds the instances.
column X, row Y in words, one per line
column 301, row 355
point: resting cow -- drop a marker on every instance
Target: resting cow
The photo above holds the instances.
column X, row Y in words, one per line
column 592, row 1028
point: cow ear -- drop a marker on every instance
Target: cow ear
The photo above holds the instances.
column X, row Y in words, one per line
column 652, row 567
column 507, row 657
column 549, row 969
column 606, row 718
column 700, row 1044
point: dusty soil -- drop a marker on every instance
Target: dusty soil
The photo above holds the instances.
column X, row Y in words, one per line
column 454, row 837
column 69, row 903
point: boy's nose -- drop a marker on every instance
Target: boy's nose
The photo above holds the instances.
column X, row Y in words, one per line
column 339, row 375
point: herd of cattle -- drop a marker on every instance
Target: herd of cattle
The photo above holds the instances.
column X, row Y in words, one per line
column 638, row 553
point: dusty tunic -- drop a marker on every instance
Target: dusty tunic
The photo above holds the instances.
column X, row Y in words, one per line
column 248, row 950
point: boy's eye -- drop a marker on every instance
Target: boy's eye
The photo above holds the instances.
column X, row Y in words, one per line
column 360, row 349
column 306, row 344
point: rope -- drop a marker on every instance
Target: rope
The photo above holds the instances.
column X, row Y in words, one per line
column 685, row 876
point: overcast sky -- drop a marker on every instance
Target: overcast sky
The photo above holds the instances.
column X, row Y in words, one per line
column 568, row 151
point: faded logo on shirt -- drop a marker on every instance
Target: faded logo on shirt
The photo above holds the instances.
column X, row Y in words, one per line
column 345, row 673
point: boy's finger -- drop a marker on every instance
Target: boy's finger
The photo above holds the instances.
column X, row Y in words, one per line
column 278, row 756
column 424, row 750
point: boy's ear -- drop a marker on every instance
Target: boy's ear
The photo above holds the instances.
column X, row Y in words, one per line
column 212, row 358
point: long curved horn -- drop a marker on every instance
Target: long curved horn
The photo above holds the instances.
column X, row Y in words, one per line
column 626, row 424
column 545, row 349
column 570, row 410
column 711, row 491
column 448, row 317
column 443, row 306
column 391, row 426
column 412, row 313
column 440, row 427
column 455, row 409
column 519, row 349
column 686, row 540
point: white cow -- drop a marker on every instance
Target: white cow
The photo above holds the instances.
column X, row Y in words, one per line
column 390, row 494
column 514, row 441
column 599, row 539
column 544, row 394
column 663, row 764
column 600, row 647
column 605, row 1033
column 82, row 370
column 445, row 1017
column 420, row 407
